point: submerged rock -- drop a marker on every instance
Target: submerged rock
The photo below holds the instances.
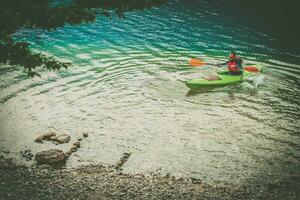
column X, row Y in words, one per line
column 46, row 136
column 60, row 139
column 85, row 134
column 73, row 148
column 77, row 144
column 52, row 156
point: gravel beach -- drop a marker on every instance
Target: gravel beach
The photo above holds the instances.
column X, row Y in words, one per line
column 107, row 182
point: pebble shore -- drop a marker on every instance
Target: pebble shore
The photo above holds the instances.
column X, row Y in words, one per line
column 108, row 182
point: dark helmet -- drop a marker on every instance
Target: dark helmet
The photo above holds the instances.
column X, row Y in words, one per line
column 232, row 54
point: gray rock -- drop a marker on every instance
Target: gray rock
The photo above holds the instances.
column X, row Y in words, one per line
column 52, row 156
column 63, row 138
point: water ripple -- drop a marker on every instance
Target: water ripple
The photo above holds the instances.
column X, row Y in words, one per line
column 126, row 87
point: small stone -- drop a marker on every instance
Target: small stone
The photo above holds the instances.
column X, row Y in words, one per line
column 39, row 139
column 85, row 134
column 53, row 138
column 79, row 139
column 74, row 148
column 77, row 144
column 64, row 138
column 47, row 136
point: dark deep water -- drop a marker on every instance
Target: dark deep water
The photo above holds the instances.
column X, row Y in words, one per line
column 126, row 88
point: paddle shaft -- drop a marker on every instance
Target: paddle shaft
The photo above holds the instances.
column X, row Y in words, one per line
column 218, row 65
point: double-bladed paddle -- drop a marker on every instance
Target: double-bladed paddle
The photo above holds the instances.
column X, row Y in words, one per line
column 195, row 62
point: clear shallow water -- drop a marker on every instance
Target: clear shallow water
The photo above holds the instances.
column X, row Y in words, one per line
column 126, row 89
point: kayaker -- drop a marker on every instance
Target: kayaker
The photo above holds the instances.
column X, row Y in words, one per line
column 234, row 64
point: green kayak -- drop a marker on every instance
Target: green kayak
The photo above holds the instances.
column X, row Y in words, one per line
column 222, row 78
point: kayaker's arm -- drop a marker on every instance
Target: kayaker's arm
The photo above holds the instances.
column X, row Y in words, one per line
column 221, row 64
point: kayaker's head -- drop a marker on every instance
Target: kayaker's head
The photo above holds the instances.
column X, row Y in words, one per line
column 232, row 55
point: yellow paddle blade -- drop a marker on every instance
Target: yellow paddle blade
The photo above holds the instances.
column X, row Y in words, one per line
column 196, row 62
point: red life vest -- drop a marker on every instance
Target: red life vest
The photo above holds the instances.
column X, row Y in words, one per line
column 232, row 66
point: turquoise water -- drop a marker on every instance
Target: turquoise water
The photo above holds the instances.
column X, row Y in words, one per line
column 126, row 89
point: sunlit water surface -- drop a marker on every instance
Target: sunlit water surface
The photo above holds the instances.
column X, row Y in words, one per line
column 126, row 89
